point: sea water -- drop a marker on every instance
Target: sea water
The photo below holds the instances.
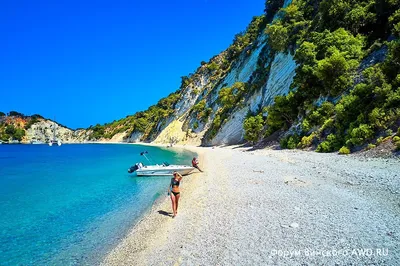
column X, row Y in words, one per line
column 71, row 204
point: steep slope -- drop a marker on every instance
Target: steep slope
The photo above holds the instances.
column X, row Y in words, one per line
column 323, row 75
column 206, row 118
column 199, row 108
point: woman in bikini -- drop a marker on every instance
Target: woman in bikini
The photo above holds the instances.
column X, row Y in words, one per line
column 173, row 190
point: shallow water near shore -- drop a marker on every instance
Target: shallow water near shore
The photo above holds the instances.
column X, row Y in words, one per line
column 69, row 205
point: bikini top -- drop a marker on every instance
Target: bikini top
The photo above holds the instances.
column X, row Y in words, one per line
column 174, row 182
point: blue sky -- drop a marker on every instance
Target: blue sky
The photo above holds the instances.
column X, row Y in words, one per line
column 86, row 62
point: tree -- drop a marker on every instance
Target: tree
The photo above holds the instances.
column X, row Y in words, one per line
column 2, row 114
column 230, row 96
column 277, row 36
column 335, row 72
column 14, row 113
column 98, row 131
column 253, row 128
column 4, row 137
column 10, row 130
column 271, row 7
column 213, row 66
column 185, row 81
column 19, row 134
column 282, row 113
column 226, row 97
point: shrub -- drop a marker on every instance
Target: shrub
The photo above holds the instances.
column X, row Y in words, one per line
column 213, row 66
column 379, row 140
column 332, row 143
column 200, row 106
column 253, row 127
column 32, row 121
column 271, row 7
column 10, row 130
column 396, row 141
column 277, row 36
column 14, row 113
column 387, row 138
column 335, row 73
column 230, row 96
column 195, row 125
column 371, row 146
column 19, row 134
column 307, row 141
column 4, row 137
column 282, row 113
column 290, row 142
column 359, row 135
column 306, row 126
column 328, row 123
column 344, row 150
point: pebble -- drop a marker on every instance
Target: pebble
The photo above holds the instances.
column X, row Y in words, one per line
column 294, row 225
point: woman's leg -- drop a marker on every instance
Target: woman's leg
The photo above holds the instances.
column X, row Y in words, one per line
column 198, row 168
column 177, row 201
column 173, row 200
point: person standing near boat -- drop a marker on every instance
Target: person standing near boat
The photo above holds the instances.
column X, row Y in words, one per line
column 195, row 164
column 173, row 191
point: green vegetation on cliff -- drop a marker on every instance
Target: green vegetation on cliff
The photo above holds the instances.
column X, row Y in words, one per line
column 339, row 102
column 12, row 127
column 146, row 122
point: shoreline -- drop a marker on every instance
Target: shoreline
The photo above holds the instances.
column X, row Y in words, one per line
column 160, row 211
column 259, row 202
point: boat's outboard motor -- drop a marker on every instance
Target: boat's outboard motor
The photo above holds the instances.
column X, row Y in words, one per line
column 133, row 168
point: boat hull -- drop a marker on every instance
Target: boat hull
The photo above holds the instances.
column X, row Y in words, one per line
column 163, row 170
column 55, row 143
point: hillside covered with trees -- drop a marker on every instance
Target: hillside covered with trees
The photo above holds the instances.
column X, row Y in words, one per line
column 338, row 100
column 344, row 94
column 308, row 74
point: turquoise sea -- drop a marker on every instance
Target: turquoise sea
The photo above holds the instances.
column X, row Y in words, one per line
column 69, row 205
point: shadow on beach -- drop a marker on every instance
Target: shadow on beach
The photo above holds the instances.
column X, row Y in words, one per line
column 169, row 214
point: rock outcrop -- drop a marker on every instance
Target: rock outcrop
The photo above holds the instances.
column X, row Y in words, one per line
column 43, row 131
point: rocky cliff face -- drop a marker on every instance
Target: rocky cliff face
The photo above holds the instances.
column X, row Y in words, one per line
column 43, row 131
column 27, row 129
column 185, row 127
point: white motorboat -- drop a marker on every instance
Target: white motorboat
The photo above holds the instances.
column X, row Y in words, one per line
column 161, row 170
column 164, row 169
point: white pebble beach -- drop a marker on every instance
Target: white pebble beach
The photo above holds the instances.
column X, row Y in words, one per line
column 273, row 207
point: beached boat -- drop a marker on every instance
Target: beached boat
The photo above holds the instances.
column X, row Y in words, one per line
column 160, row 170
column 164, row 169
